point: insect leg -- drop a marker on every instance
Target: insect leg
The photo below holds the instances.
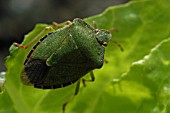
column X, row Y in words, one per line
column 69, row 23
column 94, row 24
column 92, row 78
column 33, row 40
column 60, row 25
column 75, row 93
column 57, row 25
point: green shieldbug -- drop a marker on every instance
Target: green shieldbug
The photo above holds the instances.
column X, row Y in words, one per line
column 65, row 55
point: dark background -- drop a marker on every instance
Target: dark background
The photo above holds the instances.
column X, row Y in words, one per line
column 18, row 17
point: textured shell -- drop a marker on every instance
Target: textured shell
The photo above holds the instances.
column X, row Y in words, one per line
column 63, row 57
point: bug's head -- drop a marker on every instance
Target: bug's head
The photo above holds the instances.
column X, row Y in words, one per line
column 103, row 36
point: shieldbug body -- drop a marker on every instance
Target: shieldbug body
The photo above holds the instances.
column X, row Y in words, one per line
column 65, row 55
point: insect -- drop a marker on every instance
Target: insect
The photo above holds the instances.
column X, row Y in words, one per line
column 65, row 55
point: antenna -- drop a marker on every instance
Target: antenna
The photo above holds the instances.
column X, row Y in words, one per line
column 121, row 48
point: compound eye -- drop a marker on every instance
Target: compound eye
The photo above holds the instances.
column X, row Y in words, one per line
column 97, row 31
column 102, row 43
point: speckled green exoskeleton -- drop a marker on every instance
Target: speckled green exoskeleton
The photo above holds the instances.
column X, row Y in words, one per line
column 65, row 55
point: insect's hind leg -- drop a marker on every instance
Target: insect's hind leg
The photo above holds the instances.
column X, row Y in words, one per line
column 92, row 78
column 77, row 89
column 75, row 93
column 35, row 38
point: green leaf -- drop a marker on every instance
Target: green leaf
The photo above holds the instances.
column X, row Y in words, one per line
column 146, row 85
column 133, row 81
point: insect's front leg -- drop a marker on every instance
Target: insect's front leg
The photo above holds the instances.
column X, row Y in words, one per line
column 34, row 39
